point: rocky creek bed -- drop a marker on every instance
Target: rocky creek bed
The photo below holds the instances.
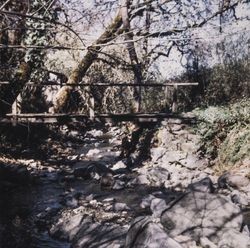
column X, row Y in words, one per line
column 114, row 188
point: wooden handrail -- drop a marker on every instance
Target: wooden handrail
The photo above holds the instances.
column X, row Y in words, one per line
column 111, row 84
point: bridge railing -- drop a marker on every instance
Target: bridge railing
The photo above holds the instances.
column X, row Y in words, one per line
column 16, row 106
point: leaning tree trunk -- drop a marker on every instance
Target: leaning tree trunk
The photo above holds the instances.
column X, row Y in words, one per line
column 79, row 72
column 136, row 67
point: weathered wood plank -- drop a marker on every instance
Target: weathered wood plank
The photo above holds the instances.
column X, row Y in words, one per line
column 108, row 117
column 113, row 84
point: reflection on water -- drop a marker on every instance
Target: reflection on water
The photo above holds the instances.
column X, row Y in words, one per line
column 18, row 208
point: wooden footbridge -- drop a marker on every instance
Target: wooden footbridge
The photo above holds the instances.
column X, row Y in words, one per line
column 17, row 117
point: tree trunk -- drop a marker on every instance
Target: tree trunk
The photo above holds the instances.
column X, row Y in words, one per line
column 17, row 75
column 136, row 67
column 9, row 92
column 79, row 72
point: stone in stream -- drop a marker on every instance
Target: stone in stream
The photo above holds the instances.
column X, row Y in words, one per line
column 199, row 213
column 93, row 235
column 107, row 180
column 146, row 232
column 95, row 133
column 92, row 171
column 82, row 232
column 204, row 185
column 233, row 180
column 119, row 206
column 154, row 176
column 233, row 238
column 193, row 216
column 240, row 198
column 119, row 165
column 157, row 153
column 157, row 206
column 68, row 225
column 205, row 242
column 146, row 201
column 118, row 185
column 93, row 152
column 139, row 180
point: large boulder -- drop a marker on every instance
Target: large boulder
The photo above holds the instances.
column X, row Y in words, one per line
column 199, row 213
column 196, row 216
column 146, row 232
column 81, row 231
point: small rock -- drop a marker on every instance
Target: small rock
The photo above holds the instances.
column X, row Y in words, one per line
column 209, row 171
column 119, row 165
column 93, row 152
column 146, row 201
column 205, row 242
column 90, row 197
column 176, row 127
column 233, row 238
column 109, row 200
column 235, row 181
column 51, row 169
column 186, row 241
column 74, row 133
column 238, row 181
column 204, row 185
column 239, row 198
column 141, row 179
column 157, row 206
column 118, row 207
column 193, row 162
column 71, row 202
column 158, row 176
column 95, row 133
column 74, row 157
column 157, row 153
column 107, row 180
column 93, row 203
column 91, row 171
column 69, row 144
column 119, row 185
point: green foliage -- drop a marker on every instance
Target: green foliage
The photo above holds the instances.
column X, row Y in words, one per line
column 38, row 34
column 225, row 131
column 219, row 85
column 236, row 146
column 228, row 82
column 224, row 83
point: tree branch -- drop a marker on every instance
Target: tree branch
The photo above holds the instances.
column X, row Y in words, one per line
column 43, row 20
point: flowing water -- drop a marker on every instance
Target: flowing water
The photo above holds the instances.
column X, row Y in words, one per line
column 18, row 208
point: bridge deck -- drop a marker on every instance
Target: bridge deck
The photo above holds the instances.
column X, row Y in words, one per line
column 62, row 117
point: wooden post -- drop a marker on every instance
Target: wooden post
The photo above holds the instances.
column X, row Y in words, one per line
column 175, row 99
column 91, row 104
column 92, row 107
column 139, row 100
column 16, row 108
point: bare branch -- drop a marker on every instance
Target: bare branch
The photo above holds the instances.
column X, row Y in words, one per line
column 2, row 7
column 51, row 47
